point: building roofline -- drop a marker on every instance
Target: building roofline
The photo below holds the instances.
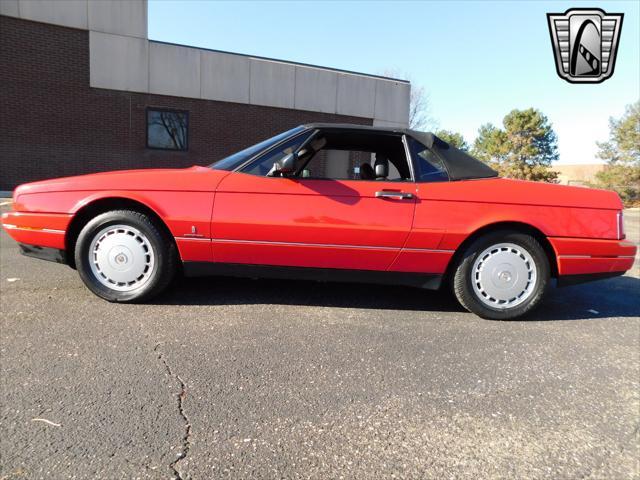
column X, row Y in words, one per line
column 288, row 62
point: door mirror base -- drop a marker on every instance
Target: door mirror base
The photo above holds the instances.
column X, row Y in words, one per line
column 285, row 166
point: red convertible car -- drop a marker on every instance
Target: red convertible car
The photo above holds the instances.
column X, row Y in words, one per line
column 328, row 201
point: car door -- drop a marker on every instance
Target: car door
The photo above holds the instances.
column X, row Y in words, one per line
column 423, row 251
column 311, row 222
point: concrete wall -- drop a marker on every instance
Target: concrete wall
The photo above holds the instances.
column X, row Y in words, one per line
column 118, row 62
column 122, row 58
column 121, row 17
column 198, row 73
column 58, row 125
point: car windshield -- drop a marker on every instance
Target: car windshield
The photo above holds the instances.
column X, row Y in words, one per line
column 235, row 160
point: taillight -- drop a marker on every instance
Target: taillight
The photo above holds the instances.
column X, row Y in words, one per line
column 621, row 235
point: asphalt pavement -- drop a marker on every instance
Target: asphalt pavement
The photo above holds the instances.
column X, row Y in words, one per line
column 280, row 379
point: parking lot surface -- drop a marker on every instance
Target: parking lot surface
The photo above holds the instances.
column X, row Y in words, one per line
column 278, row 379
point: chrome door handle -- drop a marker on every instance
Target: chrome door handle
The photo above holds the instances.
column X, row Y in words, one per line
column 396, row 195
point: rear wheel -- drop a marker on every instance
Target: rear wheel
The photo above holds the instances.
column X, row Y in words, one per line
column 123, row 256
column 502, row 275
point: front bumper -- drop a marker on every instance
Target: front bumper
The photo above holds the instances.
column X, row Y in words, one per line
column 592, row 258
column 41, row 229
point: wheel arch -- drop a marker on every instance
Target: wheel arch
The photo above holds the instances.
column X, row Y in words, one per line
column 521, row 227
column 101, row 205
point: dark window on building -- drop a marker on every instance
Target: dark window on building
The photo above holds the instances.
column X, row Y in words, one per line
column 429, row 166
column 167, row 129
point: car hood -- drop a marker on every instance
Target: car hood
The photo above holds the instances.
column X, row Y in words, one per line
column 195, row 178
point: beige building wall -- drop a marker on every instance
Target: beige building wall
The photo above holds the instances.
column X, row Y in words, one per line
column 123, row 58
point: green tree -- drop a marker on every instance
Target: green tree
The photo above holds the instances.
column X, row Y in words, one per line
column 524, row 148
column 622, row 154
column 453, row 138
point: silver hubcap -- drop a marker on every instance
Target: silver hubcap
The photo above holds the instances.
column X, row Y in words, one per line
column 121, row 258
column 504, row 275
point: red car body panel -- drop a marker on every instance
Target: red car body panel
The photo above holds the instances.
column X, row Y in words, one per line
column 232, row 217
column 182, row 198
column 580, row 256
column 309, row 223
column 41, row 229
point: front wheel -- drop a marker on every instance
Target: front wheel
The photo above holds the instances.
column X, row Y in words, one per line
column 123, row 256
column 502, row 275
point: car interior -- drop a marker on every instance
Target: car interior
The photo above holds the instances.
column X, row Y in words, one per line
column 349, row 155
column 339, row 155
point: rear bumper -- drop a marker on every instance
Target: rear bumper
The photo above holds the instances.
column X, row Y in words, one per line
column 41, row 229
column 593, row 257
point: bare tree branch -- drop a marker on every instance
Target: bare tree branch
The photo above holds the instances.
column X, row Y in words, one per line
column 420, row 117
column 174, row 124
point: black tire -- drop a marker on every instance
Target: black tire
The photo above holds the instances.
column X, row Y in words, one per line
column 464, row 276
column 156, row 277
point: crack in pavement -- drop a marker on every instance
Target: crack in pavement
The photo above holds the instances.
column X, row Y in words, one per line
column 185, row 442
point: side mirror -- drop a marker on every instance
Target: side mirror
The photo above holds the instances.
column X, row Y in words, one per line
column 284, row 166
column 382, row 170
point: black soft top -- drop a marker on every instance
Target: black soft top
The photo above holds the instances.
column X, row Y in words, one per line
column 460, row 165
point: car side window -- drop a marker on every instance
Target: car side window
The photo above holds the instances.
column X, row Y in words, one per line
column 429, row 167
column 262, row 165
column 354, row 156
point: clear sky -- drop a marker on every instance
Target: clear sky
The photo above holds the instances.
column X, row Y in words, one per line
column 477, row 60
